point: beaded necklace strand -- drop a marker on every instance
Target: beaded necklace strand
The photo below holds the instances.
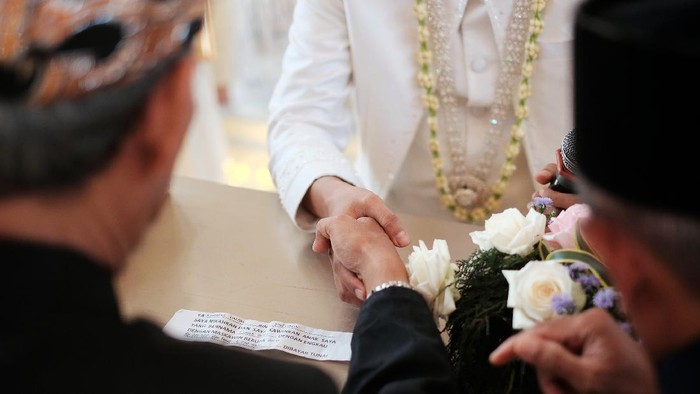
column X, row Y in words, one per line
column 427, row 81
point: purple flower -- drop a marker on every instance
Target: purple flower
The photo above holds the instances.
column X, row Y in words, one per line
column 605, row 298
column 563, row 304
column 578, row 267
column 542, row 202
column 588, row 282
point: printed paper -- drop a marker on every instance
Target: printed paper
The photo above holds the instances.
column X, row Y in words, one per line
column 230, row 330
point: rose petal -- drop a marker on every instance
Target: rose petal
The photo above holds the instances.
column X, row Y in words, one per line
column 521, row 321
column 510, row 277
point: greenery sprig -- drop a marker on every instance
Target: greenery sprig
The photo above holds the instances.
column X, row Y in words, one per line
column 482, row 321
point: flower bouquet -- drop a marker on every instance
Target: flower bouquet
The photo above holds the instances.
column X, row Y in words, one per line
column 526, row 269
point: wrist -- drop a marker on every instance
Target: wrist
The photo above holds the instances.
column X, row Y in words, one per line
column 386, row 285
column 318, row 196
column 386, row 271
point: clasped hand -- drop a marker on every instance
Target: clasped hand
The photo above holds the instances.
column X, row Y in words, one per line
column 362, row 234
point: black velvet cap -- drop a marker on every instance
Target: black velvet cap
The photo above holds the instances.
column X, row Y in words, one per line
column 637, row 100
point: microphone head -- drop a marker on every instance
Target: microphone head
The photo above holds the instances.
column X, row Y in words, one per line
column 568, row 151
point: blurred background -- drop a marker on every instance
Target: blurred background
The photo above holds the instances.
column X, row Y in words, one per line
column 239, row 60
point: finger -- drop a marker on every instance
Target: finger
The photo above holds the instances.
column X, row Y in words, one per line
column 350, row 288
column 322, row 238
column 509, row 351
column 549, row 357
column 346, row 294
column 578, row 331
column 526, row 346
column 321, row 244
column 555, row 330
column 568, row 331
column 560, row 200
column 389, row 222
column 546, row 175
column 505, row 352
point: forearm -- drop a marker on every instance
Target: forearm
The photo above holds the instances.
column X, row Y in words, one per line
column 383, row 270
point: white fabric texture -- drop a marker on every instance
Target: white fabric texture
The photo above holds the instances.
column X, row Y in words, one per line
column 363, row 52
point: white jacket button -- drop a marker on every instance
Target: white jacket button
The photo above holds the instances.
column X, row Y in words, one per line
column 478, row 65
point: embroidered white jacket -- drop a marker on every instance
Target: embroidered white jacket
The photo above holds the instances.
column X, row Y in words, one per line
column 364, row 52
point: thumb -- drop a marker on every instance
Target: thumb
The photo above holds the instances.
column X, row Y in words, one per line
column 551, row 359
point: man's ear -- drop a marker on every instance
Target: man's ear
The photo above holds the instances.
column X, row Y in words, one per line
column 166, row 117
column 629, row 262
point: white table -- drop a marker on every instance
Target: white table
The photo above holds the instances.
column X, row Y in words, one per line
column 216, row 248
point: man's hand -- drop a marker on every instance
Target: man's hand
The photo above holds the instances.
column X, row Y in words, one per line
column 360, row 247
column 584, row 353
column 330, row 196
column 559, row 200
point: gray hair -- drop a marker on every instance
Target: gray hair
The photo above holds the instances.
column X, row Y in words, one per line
column 57, row 148
column 674, row 239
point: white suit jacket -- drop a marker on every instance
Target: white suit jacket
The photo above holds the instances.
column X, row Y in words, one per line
column 364, row 52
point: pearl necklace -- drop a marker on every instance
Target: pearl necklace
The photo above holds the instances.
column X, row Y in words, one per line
column 466, row 195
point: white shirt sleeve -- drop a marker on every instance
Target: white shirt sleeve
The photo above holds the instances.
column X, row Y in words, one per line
column 310, row 117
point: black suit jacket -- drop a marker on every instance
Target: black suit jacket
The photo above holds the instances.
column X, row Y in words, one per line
column 61, row 331
column 678, row 373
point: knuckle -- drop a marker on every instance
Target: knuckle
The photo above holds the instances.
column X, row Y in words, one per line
column 368, row 199
column 535, row 354
column 390, row 218
column 595, row 319
column 365, row 219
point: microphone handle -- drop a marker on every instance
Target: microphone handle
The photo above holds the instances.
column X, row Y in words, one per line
column 564, row 179
column 562, row 184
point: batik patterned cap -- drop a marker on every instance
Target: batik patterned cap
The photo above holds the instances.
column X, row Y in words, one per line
column 54, row 50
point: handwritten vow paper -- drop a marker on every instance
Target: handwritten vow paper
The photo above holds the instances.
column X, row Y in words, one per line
column 230, row 330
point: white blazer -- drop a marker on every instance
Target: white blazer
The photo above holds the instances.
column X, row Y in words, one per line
column 364, row 52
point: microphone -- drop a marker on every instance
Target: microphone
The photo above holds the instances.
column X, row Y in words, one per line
column 567, row 165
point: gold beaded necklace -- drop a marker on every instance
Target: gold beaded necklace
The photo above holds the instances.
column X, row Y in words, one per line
column 528, row 50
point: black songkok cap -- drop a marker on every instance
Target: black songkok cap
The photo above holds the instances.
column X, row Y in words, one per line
column 637, row 100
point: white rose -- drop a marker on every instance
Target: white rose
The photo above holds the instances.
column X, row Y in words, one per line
column 432, row 274
column 510, row 232
column 530, row 292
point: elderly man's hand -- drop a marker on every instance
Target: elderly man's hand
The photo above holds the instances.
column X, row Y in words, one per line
column 359, row 247
column 331, row 196
column 584, row 353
